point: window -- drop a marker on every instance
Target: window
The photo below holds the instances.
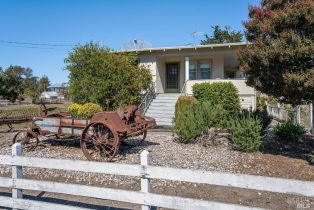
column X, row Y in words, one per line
column 205, row 70
column 230, row 74
column 192, row 71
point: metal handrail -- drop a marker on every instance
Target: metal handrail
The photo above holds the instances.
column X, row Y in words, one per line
column 147, row 99
column 183, row 88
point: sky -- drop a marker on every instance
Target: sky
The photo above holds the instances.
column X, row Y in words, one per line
column 62, row 24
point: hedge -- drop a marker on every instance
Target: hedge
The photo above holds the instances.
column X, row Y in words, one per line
column 224, row 93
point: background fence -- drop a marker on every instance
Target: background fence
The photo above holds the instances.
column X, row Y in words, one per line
column 145, row 171
column 303, row 114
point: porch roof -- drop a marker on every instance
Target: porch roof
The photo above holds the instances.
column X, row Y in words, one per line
column 189, row 47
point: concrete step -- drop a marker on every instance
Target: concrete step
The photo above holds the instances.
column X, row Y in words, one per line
column 165, row 100
column 162, row 105
column 159, row 109
column 156, row 117
column 159, row 112
column 169, row 95
column 162, row 122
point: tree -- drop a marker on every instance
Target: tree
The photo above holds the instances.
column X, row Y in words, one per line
column 43, row 83
column 279, row 62
column 14, row 81
column 107, row 78
column 221, row 36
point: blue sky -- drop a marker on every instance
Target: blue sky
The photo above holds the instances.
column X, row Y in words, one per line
column 114, row 23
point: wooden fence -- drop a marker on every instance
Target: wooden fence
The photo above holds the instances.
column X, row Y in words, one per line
column 145, row 171
column 281, row 114
column 277, row 112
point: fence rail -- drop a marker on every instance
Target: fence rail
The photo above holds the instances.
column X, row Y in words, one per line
column 277, row 112
column 145, row 172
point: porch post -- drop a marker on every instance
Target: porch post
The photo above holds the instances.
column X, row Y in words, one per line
column 187, row 66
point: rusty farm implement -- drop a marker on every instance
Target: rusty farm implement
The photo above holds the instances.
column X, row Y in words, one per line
column 100, row 136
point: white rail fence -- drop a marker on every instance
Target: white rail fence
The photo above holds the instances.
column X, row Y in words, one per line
column 277, row 112
column 282, row 114
column 146, row 172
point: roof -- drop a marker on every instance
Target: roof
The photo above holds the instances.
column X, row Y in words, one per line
column 209, row 46
column 49, row 93
column 56, row 85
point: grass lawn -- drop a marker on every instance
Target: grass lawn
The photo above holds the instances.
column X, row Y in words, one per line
column 28, row 109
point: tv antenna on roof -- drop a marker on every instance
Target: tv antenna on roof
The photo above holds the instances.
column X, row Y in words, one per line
column 194, row 34
column 136, row 44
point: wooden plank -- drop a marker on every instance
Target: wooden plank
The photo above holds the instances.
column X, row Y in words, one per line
column 73, row 165
column 164, row 201
column 34, row 205
column 6, row 201
column 289, row 186
column 6, row 182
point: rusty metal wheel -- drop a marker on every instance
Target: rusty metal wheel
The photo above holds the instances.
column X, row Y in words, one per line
column 99, row 142
column 28, row 139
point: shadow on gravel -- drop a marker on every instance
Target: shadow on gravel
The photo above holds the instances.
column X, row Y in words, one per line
column 61, row 201
column 300, row 150
column 135, row 147
column 129, row 146
column 68, row 142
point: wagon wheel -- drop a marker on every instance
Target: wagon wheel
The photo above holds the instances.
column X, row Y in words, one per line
column 136, row 140
column 28, row 140
column 99, row 142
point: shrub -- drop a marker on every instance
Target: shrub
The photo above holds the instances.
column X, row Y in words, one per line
column 109, row 79
column 224, row 93
column 288, row 131
column 246, row 133
column 193, row 117
column 189, row 121
column 182, row 102
column 215, row 115
column 73, row 109
column 311, row 159
column 88, row 110
column 264, row 117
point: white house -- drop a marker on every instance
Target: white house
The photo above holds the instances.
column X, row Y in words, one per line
column 49, row 95
column 176, row 69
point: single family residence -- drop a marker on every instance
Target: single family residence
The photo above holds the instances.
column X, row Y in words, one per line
column 176, row 69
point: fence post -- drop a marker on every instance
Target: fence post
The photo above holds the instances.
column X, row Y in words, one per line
column 17, row 171
column 311, row 123
column 145, row 182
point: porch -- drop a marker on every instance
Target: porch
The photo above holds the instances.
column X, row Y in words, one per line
column 178, row 74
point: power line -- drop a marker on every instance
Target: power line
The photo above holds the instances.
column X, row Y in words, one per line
column 38, row 44
column 33, row 47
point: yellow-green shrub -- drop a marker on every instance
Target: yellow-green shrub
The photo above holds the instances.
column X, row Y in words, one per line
column 88, row 110
column 73, row 109
column 182, row 102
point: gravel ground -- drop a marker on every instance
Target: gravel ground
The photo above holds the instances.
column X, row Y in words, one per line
column 165, row 152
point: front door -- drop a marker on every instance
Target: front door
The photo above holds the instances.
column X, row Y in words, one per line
column 172, row 77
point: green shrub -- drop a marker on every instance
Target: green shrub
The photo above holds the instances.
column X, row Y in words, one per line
column 73, row 109
column 88, row 110
column 193, row 117
column 264, row 117
column 182, row 102
column 288, row 131
column 312, row 159
column 224, row 93
column 214, row 115
column 109, row 79
column 246, row 133
column 189, row 122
